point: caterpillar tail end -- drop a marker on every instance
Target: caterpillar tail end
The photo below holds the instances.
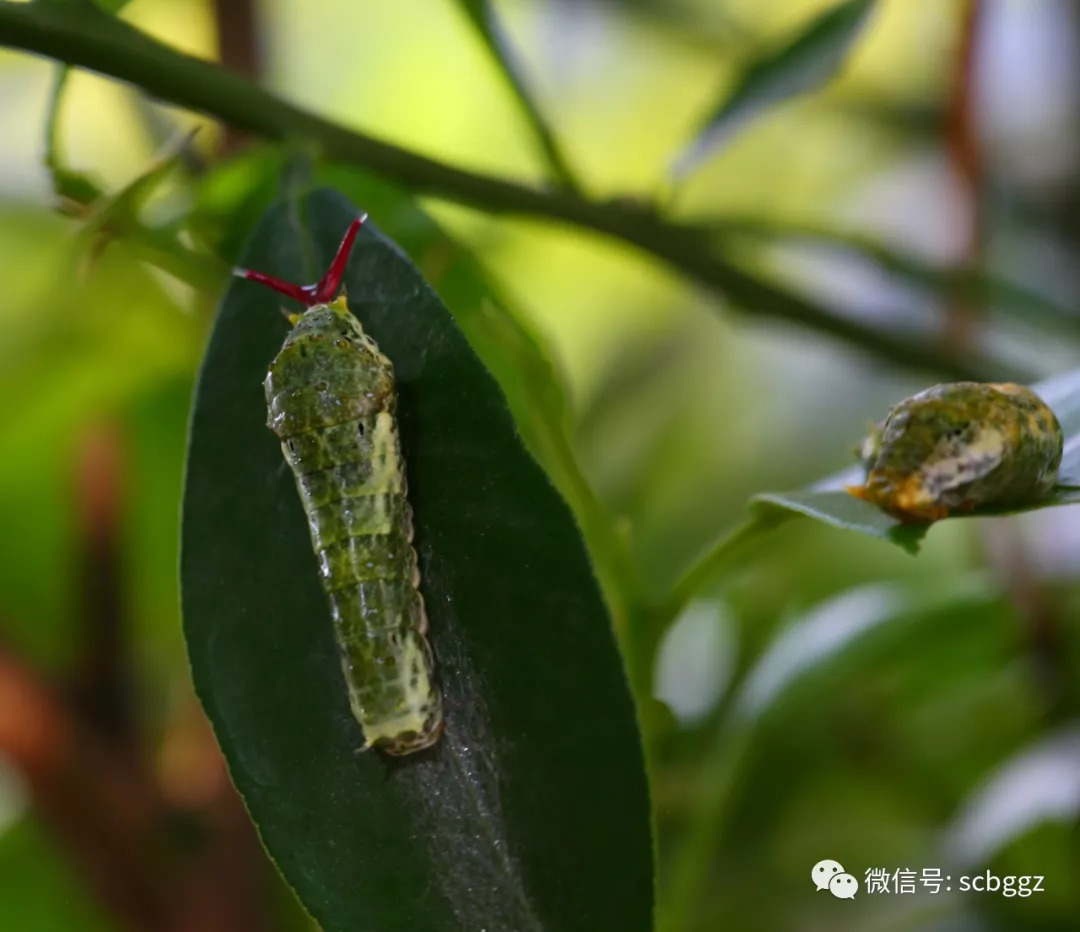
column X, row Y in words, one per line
column 401, row 743
column 415, row 741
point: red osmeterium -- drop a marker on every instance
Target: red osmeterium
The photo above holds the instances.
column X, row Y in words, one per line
column 325, row 288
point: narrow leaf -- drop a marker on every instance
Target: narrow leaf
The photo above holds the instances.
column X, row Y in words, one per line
column 485, row 20
column 74, row 190
column 531, row 812
column 804, row 63
column 944, row 282
column 841, row 510
column 1004, row 808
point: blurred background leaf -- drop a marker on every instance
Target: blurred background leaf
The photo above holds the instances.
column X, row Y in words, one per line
column 803, row 63
column 485, row 19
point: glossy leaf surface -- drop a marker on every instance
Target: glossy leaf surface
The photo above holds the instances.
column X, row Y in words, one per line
column 532, row 811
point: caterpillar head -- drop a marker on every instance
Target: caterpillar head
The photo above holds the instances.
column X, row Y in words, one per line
column 328, row 369
column 322, row 291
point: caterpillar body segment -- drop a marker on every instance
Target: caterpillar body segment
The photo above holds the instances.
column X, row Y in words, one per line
column 330, row 399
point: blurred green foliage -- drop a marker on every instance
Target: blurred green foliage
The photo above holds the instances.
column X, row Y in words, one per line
column 823, row 695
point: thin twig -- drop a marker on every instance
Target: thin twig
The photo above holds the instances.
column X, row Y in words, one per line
column 82, row 37
column 962, row 144
column 101, row 684
column 500, row 47
column 966, row 281
column 238, row 47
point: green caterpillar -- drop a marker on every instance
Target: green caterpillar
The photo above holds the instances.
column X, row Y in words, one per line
column 330, row 399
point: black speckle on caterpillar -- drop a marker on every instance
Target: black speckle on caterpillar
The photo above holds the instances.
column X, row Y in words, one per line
column 330, row 399
column 958, row 446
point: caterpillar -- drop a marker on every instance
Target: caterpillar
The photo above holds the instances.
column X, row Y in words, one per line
column 330, row 398
column 960, row 445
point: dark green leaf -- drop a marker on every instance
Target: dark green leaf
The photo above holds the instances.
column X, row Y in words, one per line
column 112, row 6
column 518, row 356
column 532, row 810
column 841, row 510
column 804, row 63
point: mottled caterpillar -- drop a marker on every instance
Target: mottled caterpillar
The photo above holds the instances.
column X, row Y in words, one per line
column 956, row 446
column 330, row 399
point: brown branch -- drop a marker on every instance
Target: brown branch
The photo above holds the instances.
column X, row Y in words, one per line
column 962, row 145
column 155, row 864
column 100, row 812
column 1045, row 634
column 238, row 50
column 171, row 851
column 221, row 885
column 101, row 682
